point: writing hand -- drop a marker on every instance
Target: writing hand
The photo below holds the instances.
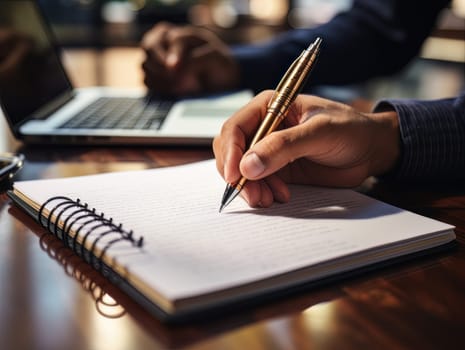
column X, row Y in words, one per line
column 321, row 142
column 187, row 60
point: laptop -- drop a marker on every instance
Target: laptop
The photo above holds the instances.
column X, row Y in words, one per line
column 41, row 105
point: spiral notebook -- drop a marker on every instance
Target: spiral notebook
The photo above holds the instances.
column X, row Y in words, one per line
column 158, row 235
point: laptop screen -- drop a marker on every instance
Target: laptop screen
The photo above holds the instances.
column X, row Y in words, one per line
column 31, row 73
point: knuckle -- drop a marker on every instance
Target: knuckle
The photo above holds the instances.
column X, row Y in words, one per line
column 215, row 145
column 278, row 140
column 227, row 125
column 162, row 26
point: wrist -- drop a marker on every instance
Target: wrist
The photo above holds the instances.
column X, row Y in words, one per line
column 387, row 148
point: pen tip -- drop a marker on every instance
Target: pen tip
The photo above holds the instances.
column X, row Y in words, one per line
column 316, row 44
column 229, row 194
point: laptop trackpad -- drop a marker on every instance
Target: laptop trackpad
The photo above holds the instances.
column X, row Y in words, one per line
column 204, row 116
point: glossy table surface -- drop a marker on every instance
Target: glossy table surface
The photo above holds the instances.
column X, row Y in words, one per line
column 50, row 299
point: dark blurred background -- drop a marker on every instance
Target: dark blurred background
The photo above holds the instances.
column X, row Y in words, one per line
column 121, row 23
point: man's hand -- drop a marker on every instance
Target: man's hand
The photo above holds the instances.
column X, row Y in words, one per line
column 187, row 60
column 322, row 142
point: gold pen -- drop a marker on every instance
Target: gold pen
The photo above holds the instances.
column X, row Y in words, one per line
column 285, row 93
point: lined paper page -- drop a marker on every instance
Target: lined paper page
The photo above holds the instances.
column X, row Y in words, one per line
column 191, row 248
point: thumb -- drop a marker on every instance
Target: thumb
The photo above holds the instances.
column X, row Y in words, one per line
column 180, row 45
column 274, row 152
column 178, row 49
column 174, row 55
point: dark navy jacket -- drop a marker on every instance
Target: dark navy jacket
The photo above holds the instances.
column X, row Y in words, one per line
column 372, row 39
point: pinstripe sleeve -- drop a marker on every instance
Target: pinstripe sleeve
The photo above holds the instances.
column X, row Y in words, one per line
column 432, row 137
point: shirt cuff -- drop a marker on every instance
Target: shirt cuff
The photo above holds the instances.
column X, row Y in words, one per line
column 432, row 139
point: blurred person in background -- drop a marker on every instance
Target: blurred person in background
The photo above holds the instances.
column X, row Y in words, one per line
column 322, row 142
column 373, row 38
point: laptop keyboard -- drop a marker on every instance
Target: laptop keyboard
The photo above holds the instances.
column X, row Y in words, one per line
column 121, row 113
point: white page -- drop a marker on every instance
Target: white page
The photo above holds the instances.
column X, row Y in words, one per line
column 191, row 248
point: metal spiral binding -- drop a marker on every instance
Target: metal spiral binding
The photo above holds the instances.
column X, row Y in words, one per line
column 79, row 217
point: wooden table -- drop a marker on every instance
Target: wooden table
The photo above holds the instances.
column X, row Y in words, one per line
column 49, row 299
